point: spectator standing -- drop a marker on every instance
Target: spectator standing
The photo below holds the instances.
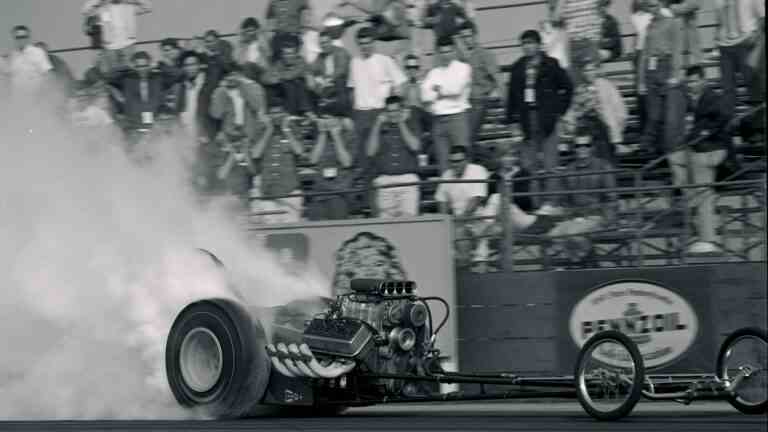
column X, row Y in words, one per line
column 139, row 92
column 583, row 24
column 117, row 19
column 330, row 73
column 662, row 65
column 198, row 86
column 252, row 52
column 686, row 11
column 738, row 29
column 395, row 145
column 286, row 20
column 373, row 77
column 61, row 70
column 463, row 200
column 290, row 72
column 276, row 157
column 391, row 24
column 332, row 157
column 239, row 104
column 486, row 79
column 610, row 34
column 420, row 110
column 445, row 18
column 447, row 88
column 539, row 93
column 28, row 66
column 216, row 49
column 598, row 103
column 707, row 143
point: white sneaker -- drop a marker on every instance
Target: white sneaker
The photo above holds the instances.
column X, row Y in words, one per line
column 702, row 247
column 549, row 210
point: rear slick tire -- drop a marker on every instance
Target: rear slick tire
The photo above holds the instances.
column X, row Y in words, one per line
column 216, row 361
column 737, row 401
column 638, row 376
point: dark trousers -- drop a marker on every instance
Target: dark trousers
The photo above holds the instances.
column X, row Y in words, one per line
column 665, row 108
column 476, row 117
column 733, row 60
column 447, row 131
column 364, row 121
column 541, row 152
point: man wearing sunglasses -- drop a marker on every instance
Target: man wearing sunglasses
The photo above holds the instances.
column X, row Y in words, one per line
column 28, row 65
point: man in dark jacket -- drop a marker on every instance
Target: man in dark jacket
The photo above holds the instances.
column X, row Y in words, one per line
column 540, row 92
column 696, row 160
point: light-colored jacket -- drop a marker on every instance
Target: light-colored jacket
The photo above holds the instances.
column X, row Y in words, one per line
column 254, row 107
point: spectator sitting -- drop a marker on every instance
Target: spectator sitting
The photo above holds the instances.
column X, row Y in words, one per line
column 237, row 171
column 539, row 93
column 445, row 18
column 610, row 42
column 287, row 19
column 290, row 73
column 333, row 159
column 599, row 103
column 239, row 104
column 590, row 211
column 373, row 77
column 447, row 88
column 394, row 144
column 28, row 66
column 276, row 155
column 708, row 142
column 252, row 52
column 117, row 19
column 330, row 73
column 463, row 200
column 390, row 21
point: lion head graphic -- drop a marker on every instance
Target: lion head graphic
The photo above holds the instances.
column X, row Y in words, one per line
column 366, row 255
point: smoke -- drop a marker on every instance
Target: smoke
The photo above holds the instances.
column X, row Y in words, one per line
column 98, row 255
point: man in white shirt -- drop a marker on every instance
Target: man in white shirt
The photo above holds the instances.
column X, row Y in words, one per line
column 373, row 77
column 463, row 199
column 28, row 65
column 447, row 87
column 118, row 23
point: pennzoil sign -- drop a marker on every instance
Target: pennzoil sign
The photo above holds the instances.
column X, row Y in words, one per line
column 661, row 322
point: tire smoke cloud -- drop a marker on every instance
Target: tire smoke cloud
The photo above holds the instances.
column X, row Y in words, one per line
column 98, row 255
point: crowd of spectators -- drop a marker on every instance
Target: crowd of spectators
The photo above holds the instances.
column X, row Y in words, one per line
column 287, row 124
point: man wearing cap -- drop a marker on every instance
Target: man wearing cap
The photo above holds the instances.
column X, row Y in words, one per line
column 394, row 144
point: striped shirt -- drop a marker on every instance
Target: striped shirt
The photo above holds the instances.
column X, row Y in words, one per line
column 582, row 19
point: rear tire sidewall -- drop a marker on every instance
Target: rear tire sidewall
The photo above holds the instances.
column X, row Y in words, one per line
column 720, row 368
column 639, row 376
column 244, row 366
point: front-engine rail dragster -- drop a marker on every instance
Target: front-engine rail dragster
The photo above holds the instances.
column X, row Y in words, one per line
column 376, row 345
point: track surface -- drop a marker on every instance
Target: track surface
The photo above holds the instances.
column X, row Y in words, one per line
column 543, row 417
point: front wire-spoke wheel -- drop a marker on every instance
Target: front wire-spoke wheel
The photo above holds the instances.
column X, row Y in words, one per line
column 609, row 376
column 743, row 363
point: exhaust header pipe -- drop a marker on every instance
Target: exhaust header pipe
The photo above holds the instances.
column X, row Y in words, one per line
column 298, row 361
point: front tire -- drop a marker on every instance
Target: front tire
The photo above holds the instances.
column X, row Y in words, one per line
column 215, row 359
column 746, row 347
column 611, row 391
